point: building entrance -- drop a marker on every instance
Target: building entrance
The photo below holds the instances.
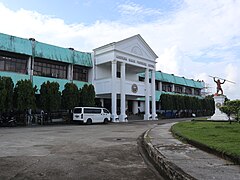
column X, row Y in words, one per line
column 130, row 108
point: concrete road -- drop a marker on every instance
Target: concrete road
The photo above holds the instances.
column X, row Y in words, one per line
column 74, row 152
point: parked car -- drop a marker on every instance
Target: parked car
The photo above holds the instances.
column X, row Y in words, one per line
column 91, row 115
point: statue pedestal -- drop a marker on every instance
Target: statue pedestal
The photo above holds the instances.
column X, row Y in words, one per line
column 218, row 115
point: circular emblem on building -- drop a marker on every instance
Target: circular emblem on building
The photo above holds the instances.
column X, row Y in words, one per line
column 134, row 88
column 218, row 105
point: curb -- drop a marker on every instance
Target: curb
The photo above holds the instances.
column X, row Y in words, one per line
column 162, row 164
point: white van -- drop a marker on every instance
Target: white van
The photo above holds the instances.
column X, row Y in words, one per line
column 91, row 115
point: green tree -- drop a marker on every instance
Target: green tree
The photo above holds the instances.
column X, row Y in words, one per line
column 50, row 97
column 87, row 95
column 231, row 108
column 3, row 95
column 209, row 104
column 180, row 102
column 70, row 96
column 24, row 95
column 165, row 102
column 91, row 95
column 186, row 103
column 6, row 94
column 227, row 110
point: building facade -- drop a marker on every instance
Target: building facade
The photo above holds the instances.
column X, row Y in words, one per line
column 123, row 73
column 29, row 59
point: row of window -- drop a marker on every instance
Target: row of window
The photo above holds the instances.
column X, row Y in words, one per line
column 42, row 68
column 13, row 64
column 167, row 87
column 90, row 110
column 80, row 74
column 178, row 89
column 50, row 70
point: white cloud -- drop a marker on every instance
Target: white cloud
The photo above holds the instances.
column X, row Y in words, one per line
column 170, row 60
column 131, row 8
column 201, row 28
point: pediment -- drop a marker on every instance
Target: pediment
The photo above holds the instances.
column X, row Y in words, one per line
column 136, row 46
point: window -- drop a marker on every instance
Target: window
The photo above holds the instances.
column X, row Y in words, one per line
column 166, row 87
column 2, row 64
column 80, row 73
column 197, row 92
column 105, row 111
column 188, row 90
column 157, row 85
column 13, row 64
column 118, row 74
column 50, row 69
column 141, row 78
column 178, row 89
column 77, row 110
column 92, row 111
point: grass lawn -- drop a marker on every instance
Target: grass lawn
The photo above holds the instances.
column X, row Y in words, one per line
column 221, row 136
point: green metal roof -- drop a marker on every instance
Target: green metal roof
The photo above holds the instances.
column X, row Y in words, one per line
column 83, row 58
column 15, row 44
column 180, row 80
column 43, row 50
column 171, row 78
column 56, row 53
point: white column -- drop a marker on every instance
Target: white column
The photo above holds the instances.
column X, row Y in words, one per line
column 173, row 88
column 70, row 72
column 192, row 91
column 102, row 102
column 184, row 90
column 154, row 115
column 123, row 95
column 160, row 86
column 114, row 92
column 135, row 107
column 147, row 114
column 29, row 66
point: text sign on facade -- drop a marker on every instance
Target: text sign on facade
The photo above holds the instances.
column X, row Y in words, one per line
column 123, row 58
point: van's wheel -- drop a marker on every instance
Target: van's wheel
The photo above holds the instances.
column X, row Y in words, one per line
column 105, row 121
column 89, row 121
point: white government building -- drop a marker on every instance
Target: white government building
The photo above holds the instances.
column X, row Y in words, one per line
column 123, row 73
column 116, row 68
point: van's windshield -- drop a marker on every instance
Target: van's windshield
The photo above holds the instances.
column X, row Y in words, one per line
column 105, row 111
column 77, row 110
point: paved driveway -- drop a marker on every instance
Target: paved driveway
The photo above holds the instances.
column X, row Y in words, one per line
column 74, row 152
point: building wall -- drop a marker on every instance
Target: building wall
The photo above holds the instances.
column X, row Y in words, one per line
column 102, row 71
column 132, row 76
column 12, row 48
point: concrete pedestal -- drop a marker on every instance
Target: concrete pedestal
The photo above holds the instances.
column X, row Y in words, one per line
column 114, row 118
column 218, row 115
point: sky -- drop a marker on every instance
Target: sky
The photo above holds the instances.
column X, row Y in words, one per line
column 193, row 38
